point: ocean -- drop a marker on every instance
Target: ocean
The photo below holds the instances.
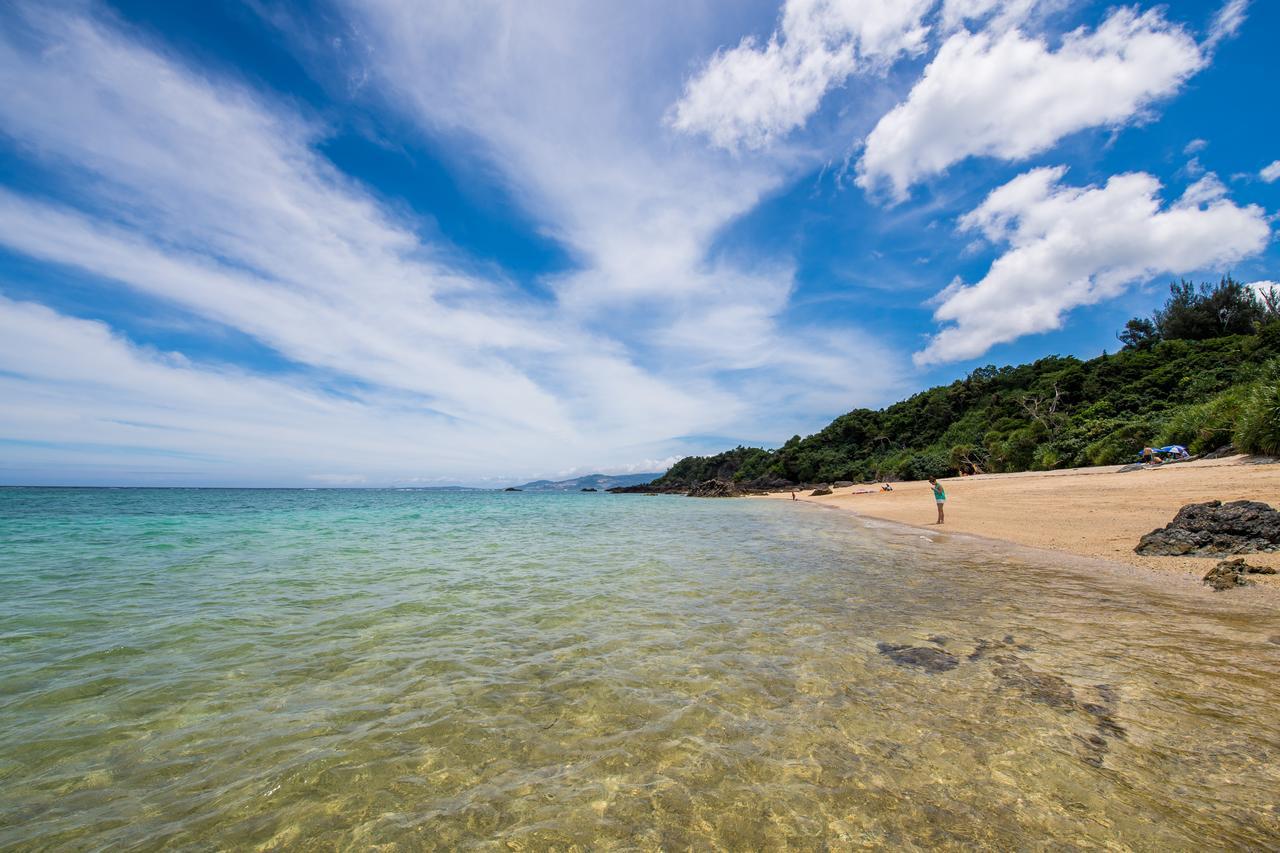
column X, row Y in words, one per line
column 357, row 669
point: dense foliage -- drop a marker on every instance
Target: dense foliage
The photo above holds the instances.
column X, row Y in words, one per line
column 1200, row 378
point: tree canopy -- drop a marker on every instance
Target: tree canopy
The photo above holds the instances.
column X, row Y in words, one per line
column 1204, row 368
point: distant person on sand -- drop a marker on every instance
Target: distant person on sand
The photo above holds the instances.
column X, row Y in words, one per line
column 939, row 495
column 793, row 494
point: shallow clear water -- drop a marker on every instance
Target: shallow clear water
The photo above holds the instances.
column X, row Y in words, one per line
column 321, row 669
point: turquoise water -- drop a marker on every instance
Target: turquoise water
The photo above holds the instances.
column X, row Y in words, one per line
column 186, row 669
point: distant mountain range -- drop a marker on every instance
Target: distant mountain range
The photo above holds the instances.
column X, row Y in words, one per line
column 600, row 482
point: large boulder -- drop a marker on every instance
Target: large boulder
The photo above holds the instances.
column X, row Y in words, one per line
column 820, row 491
column 1212, row 528
column 714, row 489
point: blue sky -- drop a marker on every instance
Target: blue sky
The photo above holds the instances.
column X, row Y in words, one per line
column 383, row 242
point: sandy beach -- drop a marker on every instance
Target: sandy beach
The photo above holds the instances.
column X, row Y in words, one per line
column 1094, row 512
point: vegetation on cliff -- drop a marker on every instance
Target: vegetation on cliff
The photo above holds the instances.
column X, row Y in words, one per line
column 1204, row 372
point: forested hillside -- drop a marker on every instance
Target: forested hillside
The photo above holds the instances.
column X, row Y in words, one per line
column 1204, row 371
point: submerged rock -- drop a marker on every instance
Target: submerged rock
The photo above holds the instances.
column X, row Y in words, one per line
column 921, row 657
column 1039, row 686
column 1239, row 527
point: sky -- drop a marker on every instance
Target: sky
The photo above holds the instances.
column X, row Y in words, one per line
column 402, row 243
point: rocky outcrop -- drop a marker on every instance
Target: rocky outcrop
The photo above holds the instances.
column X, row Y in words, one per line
column 715, row 489
column 586, row 490
column 512, row 489
column 1231, row 573
column 1212, row 528
column 820, row 491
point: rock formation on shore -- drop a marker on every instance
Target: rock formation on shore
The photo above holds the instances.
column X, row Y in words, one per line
column 715, row 489
column 1209, row 529
column 1231, row 573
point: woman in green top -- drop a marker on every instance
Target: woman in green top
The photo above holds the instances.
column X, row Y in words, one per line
column 939, row 495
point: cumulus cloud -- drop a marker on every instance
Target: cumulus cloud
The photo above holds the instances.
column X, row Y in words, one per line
column 1072, row 246
column 1270, row 173
column 756, row 93
column 1267, row 290
column 1012, row 96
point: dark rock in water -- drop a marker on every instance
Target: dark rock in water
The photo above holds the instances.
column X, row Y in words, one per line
column 1038, row 686
column 1108, row 694
column 1095, row 749
column 1226, row 575
column 1239, row 527
column 981, row 649
column 512, row 489
column 922, row 657
column 714, row 489
column 819, row 492
column 937, row 638
column 586, row 490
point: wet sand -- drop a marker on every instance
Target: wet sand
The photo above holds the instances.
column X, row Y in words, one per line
column 1092, row 512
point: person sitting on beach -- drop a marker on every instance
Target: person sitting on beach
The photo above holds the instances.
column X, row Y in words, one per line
column 885, row 487
column 939, row 495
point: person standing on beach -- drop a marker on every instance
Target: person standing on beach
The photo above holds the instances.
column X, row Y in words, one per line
column 939, row 495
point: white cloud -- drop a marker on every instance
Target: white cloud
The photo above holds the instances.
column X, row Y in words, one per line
column 754, row 94
column 588, row 157
column 200, row 192
column 997, row 14
column 110, row 405
column 1267, row 290
column 1072, row 246
column 1226, row 23
column 1195, row 146
column 1270, row 173
column 1012, row 96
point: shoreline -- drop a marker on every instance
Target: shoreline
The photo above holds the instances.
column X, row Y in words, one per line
column 1095, row 513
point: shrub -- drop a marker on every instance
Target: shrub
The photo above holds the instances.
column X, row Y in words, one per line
column 1121, row 445
column 1046, row 458
column 1206, row 426
column 922, row 466
column 1258, row 429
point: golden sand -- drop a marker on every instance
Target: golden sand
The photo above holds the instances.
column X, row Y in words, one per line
column 1094, row 512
